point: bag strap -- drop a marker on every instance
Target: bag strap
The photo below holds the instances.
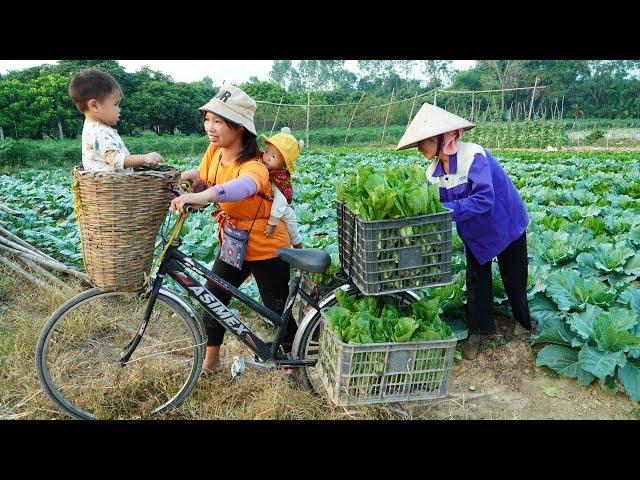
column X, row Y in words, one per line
column 254, row 218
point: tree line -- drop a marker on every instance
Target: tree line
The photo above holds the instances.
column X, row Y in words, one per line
column 34, row 102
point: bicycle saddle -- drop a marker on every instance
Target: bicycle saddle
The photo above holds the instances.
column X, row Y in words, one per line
column 313, row 260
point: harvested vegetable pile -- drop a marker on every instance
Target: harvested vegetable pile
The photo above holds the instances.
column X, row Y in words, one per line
column 378, row 320
column 397, row 192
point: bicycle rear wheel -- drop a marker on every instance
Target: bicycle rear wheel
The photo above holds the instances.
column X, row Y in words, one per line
column 307, row 340
column 77, row 358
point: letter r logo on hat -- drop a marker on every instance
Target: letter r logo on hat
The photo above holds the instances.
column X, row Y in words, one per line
column 223, row 95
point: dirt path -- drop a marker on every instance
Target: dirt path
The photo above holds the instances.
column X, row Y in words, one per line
column 504, row 383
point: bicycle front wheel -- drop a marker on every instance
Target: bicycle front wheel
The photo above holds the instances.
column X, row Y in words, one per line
column 78, row 353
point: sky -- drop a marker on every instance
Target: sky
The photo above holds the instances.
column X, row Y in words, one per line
column 229, row 71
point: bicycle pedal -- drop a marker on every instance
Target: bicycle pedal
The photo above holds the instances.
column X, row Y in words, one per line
column 237, row 367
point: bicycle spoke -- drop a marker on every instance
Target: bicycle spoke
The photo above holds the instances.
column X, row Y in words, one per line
column 161, row 353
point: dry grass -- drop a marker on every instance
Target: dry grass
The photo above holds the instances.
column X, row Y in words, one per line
column 255, row 395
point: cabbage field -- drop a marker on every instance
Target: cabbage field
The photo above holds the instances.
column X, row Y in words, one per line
column 583, row 241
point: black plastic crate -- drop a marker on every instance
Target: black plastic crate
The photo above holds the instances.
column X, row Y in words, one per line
column 386, row 256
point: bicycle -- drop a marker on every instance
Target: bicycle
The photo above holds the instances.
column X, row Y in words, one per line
column 114, row 344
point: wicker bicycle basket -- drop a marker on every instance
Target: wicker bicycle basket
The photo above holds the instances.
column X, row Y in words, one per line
column 119, row 215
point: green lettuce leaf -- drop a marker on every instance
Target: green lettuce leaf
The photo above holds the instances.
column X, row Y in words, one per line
column 403, row 329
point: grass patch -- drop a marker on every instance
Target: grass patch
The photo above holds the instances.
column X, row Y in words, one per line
column 254, row 395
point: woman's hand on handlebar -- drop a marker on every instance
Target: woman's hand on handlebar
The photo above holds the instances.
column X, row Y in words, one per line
column 196, row 200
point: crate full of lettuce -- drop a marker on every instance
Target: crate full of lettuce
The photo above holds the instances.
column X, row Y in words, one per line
column 373, row 351
column 393, row 233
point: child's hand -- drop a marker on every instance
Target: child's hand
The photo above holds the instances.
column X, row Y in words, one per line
column 268, row 232
column 152, row 158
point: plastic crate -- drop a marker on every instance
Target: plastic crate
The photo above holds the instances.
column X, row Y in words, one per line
column 375, row 373
column 387, row 256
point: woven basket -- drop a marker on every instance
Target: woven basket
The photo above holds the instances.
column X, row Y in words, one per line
column 119, row 215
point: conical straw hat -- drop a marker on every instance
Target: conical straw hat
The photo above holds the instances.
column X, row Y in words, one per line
column 430, row 121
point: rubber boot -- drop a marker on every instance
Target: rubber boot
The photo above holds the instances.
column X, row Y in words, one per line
column 470, row 347
column 519, row 330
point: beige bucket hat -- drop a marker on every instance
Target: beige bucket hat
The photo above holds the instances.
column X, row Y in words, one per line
column 430, row 121
column 233, row 104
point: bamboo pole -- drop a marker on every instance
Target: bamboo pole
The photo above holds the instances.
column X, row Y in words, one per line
column 352, row 117
column 276, row 119
column 403, row 100
column 435, row 98
column 533, row 94
column 10, row 211
column 15, row 246
column 473, row 101
column 56, row 266
column 493, row 91
column 52, row 278
column 9, row 264
column 384, row 128
column 19, row 241
column 308, row 111
column 411, row 112
column 562, row 107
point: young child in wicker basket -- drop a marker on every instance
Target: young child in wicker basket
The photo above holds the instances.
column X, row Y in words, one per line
column 280, row 155
column 97, row 95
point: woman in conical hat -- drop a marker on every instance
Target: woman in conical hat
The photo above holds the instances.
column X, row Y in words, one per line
column 491, row 218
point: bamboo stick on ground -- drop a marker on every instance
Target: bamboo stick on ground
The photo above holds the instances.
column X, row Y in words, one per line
column 56, row 266
column 15, row 246
column 9, row 264
column 10, row 211
column 18, row 240
column 36, row 268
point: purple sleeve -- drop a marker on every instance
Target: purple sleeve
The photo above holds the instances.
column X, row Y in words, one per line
column 241, row 187
column 481, row 196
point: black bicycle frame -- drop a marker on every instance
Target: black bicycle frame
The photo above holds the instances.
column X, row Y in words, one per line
column 174, row 264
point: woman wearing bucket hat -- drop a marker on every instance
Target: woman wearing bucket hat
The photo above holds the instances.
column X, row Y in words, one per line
column 491, row 218
column 232, row 175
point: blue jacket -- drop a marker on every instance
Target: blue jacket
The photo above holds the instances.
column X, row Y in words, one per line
column 487, row 208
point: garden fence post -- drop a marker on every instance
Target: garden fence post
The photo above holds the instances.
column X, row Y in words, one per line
column 473, row 101
column 276, row 119
column 413, row 104
column 308, row 112
column 352, row 117
column 384, row 128
column 533, row 94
